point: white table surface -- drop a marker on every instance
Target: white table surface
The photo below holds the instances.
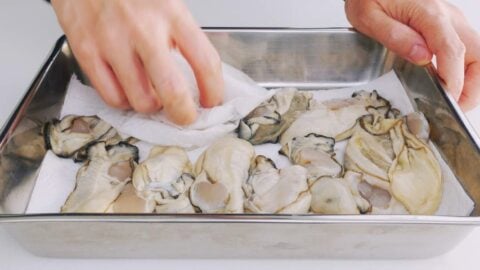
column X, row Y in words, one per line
column 28, row 30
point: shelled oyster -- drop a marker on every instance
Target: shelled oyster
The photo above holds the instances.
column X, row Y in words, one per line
column 129, row 202
column 333, row 118
column 380, row 201
column 269, row 190
column 273, row 117
column 334, row 196
column 415, row 175
column 164, row 177
column 101, row 179
column 71, row 136
column 221, row 172
column 315, row 153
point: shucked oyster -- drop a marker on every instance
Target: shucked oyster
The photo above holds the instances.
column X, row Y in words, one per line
column 273, row 117
column 269, row 190
column 415, row 175
column 101, row 179
column 165, row 176
column 333, row 118
column 335, row 196
column 315, row 153
column 129, row 202
column 71, row 136
column 221, row 172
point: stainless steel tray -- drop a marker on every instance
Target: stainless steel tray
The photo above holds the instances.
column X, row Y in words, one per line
column 314, row 58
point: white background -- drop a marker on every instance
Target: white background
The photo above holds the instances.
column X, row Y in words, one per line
column 28, row 30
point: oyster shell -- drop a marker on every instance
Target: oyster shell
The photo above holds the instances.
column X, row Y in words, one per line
column 266, row 122
column 164, row 177
column 269, row 190
column 221, row 172
column 315, row 153
column 72, row 135
column 129, row 202
column 333, row 118
column 415, row 175
column 101, row 179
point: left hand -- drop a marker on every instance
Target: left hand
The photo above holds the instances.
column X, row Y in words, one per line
column 417, row 30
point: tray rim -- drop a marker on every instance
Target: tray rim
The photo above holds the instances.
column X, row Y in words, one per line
column 237, row 218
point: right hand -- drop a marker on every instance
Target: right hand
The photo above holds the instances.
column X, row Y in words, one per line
column 124, row 48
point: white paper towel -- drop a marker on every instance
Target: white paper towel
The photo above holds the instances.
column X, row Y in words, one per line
column 242, row 95
column 52, row 188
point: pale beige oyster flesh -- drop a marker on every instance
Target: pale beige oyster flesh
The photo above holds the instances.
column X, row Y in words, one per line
column 334, row 117
column 129, row 202
column 315, row 153
column 270, row 190
column 266, row 122
column 101, row 179
column 165, row 178
column 221, row 171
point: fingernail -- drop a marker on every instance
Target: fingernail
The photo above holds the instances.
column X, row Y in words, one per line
column 419, row 55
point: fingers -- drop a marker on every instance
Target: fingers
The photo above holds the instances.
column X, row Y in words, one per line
column 470, row 97
column 445, row 43
column 167, row 80
column 131, row 75
column 100, row 75
column 203, row 58
column 397, row 37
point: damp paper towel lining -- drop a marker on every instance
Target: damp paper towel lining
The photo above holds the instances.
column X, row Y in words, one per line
column 56, row 178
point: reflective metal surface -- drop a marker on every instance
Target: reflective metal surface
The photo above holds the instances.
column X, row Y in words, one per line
column 322, row 58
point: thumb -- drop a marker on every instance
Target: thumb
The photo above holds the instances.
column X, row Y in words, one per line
column 396, row 36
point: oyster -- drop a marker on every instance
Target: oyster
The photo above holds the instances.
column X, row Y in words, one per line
column 129, row 202
column 72, row 135
column 221, row 172
column 369, row 150
column 272, row 117
column 315, row 153
column 269, row 190
column 418, row 125
column 181, row 205
column 415, row 175
column 334, row 196
column 101, row 179
column 164, row 176
column 333, row 118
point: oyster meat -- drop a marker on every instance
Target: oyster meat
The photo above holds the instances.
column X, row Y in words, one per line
column 129, row 202
column 333, row 196
column 221, row 172
column 164, row 177
column 71, row 136
column 269, row 190
column 333, row 118
column 101, row 179
column 415, row 175
column 315, row 153
column 273, row 117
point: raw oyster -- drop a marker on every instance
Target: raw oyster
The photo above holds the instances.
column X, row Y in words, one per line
column 418, row 125
column 181, row 205
column 369, row 150
column 129, row 202
column 315, row 153
column 164, row 176
column 415, row 175
column 72, row 135
column 380, row 201
column 273, row 117
column 101, row 179
column 221, row 172
column 333, row 118
column 269, row 190
column 334, row 196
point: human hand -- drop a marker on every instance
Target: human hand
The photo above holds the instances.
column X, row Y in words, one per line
column 124, row 48
column 417, row 30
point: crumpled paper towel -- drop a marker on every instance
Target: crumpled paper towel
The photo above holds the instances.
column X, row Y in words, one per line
column 242, row 95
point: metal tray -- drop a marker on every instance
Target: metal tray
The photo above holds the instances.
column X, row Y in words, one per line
column 305, row 58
